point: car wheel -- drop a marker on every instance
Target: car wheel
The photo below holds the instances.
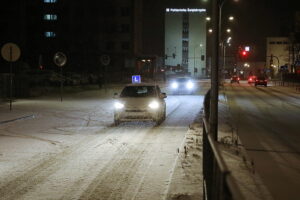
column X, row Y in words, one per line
column 163, row 117
column 116, row 121
column 160, row 118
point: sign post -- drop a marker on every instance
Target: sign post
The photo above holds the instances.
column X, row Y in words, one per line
column 105, row 61
column 60, row 59
column 11, row 53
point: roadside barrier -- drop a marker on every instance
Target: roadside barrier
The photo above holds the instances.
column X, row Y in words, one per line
column 218, row 183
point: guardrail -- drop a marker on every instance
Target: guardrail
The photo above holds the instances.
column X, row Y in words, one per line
column 218, row 183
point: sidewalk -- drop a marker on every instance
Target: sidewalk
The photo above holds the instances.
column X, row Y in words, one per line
column 17, row 113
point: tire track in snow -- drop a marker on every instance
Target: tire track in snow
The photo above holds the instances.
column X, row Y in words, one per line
column 38, row 173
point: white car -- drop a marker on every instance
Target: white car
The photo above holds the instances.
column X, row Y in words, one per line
column 140, row 102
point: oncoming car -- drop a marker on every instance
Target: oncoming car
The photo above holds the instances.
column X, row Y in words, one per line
column 183, row 85
column 140, row 102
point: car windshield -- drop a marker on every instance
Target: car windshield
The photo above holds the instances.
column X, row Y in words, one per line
column 139, row 91
column 182, row 79
column 261, row 78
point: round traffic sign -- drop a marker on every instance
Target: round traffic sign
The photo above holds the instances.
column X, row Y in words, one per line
column 60, row 59
column 10, row 52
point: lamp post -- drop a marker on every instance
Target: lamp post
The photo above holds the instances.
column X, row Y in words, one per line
column 224, row 52
column 195, row 68
column 216, row 21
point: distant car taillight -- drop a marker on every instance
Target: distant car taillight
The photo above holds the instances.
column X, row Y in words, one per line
column 238, row 79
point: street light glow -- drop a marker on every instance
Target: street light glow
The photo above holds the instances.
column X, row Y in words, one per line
column 229, row 39
column 210, row 30
column 246, row 65
column 208, row 18
column 231, row 18
column 228, row 30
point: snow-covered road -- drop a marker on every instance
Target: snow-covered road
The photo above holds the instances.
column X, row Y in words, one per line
column 70, row 150
column 267, row 121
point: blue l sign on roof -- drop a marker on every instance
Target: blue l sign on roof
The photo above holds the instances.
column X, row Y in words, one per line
column 136, row 79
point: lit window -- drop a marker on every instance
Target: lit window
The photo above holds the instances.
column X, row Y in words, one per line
column 50, row 17
column 50, row 34
column 50, row 1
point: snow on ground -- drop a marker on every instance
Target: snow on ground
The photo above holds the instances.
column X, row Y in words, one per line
column 187, row 180
column 66, row 121
column 236, row 158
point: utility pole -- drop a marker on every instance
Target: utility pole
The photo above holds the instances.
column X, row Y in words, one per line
column 213, row 119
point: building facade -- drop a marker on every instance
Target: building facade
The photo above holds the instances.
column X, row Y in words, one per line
column 185, row 40
column 278, row 53
column 83, row 30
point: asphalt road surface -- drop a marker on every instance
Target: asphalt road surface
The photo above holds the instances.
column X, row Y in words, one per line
column 267, row 120
column 71, row 150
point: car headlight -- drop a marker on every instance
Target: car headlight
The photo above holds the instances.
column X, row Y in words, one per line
column 154, row 105
column 119, row 105
column 189, row 85
column 174, row 85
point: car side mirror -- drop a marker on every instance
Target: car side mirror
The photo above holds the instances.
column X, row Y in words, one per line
column 163, row 95
column 116, row 95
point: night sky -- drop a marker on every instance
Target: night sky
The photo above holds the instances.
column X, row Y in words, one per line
column 255, row 20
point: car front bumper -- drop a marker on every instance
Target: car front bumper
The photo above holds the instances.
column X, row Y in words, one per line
column 136, row 115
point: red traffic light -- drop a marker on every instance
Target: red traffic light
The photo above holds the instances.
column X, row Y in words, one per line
column 244, row 53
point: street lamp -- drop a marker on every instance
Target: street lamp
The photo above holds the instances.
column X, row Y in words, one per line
column 214, row 93
column 230, row 18
column 224, row 52
column 200, row 45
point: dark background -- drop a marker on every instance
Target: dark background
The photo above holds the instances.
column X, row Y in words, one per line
column 255, row 20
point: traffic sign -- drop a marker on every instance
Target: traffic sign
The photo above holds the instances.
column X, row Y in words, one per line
column 136, row 79
column 10, row 52
column 60, row 59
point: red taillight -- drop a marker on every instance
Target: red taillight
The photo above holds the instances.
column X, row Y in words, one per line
column 238, row 79
column 250, row 79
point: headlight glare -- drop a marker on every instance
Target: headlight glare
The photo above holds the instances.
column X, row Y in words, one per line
column 189, row 85
column 119, row 105
column 154, row 105
column 174, row 85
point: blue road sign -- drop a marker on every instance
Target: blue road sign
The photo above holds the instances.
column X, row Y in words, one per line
column 136, row 79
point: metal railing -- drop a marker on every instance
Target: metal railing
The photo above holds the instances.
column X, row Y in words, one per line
column 218, row 182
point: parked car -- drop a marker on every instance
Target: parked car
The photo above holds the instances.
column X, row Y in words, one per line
column 140, row 102
column 251, row 79
column 183, row 85
column 261, row 80
column 235, row 79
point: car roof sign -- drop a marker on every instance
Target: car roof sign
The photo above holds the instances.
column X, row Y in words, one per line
column 136, row 79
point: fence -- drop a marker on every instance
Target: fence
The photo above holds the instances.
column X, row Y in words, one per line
column 218, row 183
